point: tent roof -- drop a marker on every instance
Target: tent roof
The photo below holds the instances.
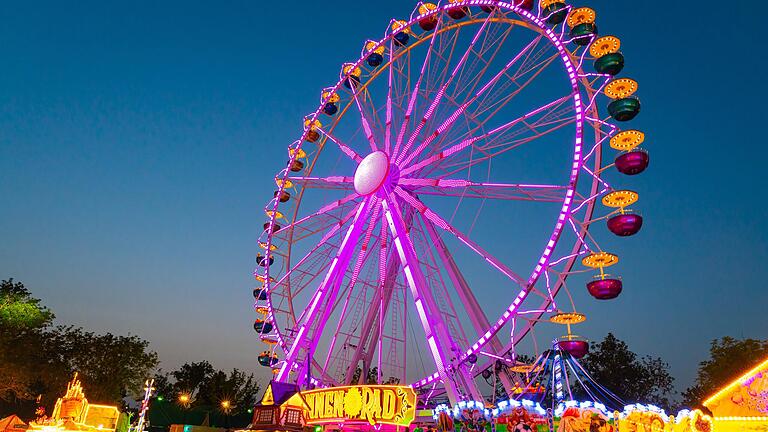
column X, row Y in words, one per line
column 277, row 393
column 13, row 423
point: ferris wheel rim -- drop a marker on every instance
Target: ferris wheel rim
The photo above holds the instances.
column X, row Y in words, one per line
column 558, row 43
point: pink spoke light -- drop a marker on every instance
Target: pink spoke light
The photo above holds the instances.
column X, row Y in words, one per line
column 330, row 182
column 364, row 120
column 439, row 96
column 456, row 114
column 470, row 141
column 343, row 147
column 441, row 223
column 415, row 93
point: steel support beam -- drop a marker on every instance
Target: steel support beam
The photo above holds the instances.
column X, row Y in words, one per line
column 457, row 380
column 476, row 315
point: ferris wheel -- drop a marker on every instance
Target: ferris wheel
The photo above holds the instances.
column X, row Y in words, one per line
column 441, row 196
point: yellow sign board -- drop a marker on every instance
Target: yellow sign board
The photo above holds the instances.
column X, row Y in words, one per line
column 375, row 404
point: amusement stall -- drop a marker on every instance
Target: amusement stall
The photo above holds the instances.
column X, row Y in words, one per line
column 742, row 405
column 73, row 412
column 440, row 206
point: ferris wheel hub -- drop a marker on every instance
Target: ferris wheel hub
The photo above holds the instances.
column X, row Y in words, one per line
column 371, row 173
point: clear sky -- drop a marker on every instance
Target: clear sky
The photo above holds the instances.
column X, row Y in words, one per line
column 138, row 142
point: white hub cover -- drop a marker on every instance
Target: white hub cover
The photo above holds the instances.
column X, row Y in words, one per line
column 371, row 173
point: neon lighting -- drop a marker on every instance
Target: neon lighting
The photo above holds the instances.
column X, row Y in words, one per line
column 73, row 412
column 737, row 382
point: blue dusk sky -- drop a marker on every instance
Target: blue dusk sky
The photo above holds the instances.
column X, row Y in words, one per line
column 138, row 144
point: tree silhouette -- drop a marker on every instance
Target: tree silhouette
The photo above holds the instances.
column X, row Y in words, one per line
column 208, row 387
column 37, row 358
column 635, row 379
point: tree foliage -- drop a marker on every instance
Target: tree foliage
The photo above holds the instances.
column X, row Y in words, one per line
column 729, row 358
column 237, row 387
column 635, row 379
column 111, row 367
column 37, row 358
column 19, row 310
column 22, row 321
column 207, row 386
column 190, row 376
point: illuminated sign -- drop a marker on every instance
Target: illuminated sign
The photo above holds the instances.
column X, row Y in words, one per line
column 375, row 404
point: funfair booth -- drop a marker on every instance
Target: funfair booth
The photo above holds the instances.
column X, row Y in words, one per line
column 742, row 405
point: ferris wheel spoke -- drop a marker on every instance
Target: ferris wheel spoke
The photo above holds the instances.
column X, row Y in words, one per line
column 474, row 310
column 488, row 104
column 390, row 85
column 324, row 295
column 444, row 225
column 397, row 96
column 436, row 281
column 451, row 119
column 485, row 103
column 369, row 333
column 480, row 123
column 471, row 189
column 462, row 161
column 481, row 57
column 438, row 97
column 527, row 131
column 349, row 318
column 330, row 182
column 316, row 221
column 361, row 257
column 363, row 119
column 436, row 73
column 347, row 150
column 487, row 108
column 483, row 137
column 413, row 95
column 439, row 70
column 484, row 55
column 522, row 55
column 454, row 375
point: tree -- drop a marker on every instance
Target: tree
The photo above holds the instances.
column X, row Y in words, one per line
column 37, row 358
column 615, row 367
column 111, row 367
column 163, row 385
column 729, row 358
column 190, row 376
column 21, row 319
column 208, row 387
column 19, row 310
column 239, row 389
